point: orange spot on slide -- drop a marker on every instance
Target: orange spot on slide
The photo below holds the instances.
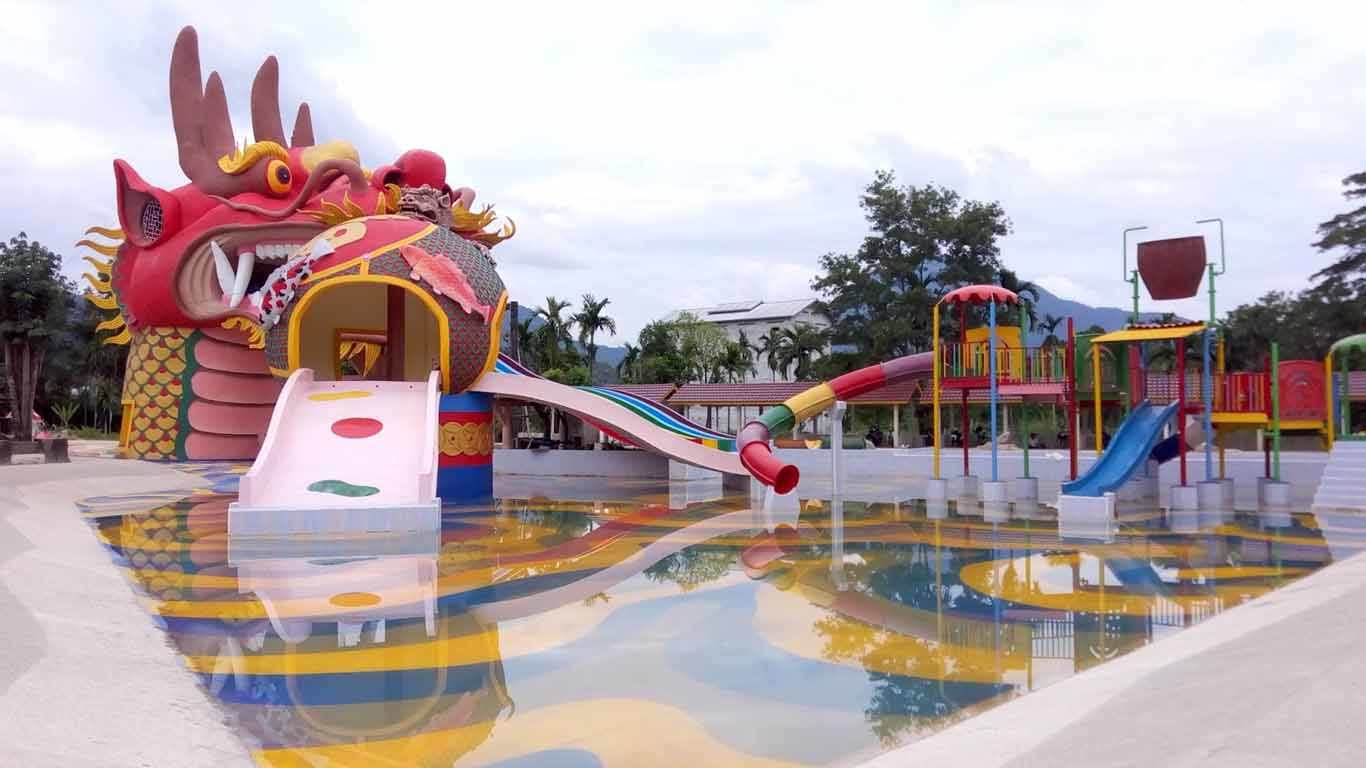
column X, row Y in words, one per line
column 356, row 427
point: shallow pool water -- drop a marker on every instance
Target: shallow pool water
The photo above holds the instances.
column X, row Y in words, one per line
column 629, row 630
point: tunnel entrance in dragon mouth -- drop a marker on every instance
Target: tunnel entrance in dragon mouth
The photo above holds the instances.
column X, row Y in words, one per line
column 369, row 327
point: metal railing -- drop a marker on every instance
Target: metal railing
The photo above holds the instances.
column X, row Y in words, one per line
column 1241, row 392
column 1028, row 365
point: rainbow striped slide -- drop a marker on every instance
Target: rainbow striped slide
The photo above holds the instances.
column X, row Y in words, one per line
column 653, row 411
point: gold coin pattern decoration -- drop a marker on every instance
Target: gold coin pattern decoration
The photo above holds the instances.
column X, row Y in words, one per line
column 467, row 439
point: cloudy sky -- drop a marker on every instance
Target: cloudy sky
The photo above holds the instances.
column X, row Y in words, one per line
column 689, row 153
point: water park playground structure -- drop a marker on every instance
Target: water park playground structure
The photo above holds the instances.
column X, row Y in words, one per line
column 341, row 326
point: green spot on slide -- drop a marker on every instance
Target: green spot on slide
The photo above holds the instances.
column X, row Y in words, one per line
column 343, row 488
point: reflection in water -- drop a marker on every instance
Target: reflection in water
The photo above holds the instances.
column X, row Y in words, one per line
column 652, row 628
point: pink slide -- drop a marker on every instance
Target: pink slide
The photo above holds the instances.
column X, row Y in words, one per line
column 344, row 455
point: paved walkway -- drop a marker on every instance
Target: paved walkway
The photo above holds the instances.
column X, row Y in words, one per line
column 1277, row 682
column 86, row 678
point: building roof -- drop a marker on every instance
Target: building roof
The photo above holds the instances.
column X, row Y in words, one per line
column 776, row 392
column 745, row 311
column 753, row 393
column 656, row 392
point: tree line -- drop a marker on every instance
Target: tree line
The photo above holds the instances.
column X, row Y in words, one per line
column 54, row 362
column 922, row 242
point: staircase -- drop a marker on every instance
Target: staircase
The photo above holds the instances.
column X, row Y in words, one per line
column 1344, row 479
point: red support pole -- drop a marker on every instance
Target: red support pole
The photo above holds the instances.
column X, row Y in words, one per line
column 395, row 345
column 963, row 345
column 1070, row 360
column 1181, row 405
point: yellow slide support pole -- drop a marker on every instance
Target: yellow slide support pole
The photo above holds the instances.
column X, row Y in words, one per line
column 1095, row 389
column 1328, row 413
column 934, row 388
column 1218, row 400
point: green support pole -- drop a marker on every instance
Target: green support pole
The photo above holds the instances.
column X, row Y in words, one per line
column 1134, row 279
column 1275, row 412
column 1212, row 273
column 1344, row 401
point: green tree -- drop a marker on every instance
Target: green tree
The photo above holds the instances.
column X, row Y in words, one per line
column 735, row 364
column 574, row 375
column 923, row 242
column 1049, row 325
column 553, row 342
column 526, row 343
column 591, row 321
column 701, row 344
column 661, row 358
column 799, row 347
column 1346, row 231
column 1028, row 293
column 628, row 367
column 771, row 347
column 33, row 309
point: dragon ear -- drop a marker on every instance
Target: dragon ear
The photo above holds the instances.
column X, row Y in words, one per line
column 147, row 214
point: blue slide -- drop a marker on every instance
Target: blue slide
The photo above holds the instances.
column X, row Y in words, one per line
column 1131, row 446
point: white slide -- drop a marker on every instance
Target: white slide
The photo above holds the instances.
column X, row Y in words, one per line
column 626, row 422
column 344, row 456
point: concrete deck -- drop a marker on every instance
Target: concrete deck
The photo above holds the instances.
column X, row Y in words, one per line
column 1276, row 682
column 86, row 678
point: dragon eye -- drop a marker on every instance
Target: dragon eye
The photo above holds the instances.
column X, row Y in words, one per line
column 278, row 176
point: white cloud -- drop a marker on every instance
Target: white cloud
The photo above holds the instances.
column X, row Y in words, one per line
column 666, row 155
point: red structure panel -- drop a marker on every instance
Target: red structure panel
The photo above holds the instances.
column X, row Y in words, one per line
column 1172, row 268
column 1301, row 383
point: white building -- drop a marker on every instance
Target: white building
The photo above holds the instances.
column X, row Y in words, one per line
column 758, row 319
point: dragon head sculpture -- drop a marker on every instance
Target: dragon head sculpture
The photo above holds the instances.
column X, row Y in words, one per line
column 234, row 254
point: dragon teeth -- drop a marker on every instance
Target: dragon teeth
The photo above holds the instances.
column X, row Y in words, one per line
column 226, row 278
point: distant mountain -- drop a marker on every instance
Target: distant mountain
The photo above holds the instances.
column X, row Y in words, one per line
column 1083, row 316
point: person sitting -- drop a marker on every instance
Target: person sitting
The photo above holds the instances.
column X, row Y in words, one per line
column 1035, row 441
column 874, row 436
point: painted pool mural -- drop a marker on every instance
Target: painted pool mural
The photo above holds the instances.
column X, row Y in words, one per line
column 630, row 630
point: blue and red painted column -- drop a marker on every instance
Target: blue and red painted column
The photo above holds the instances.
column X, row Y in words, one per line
column 464, row 473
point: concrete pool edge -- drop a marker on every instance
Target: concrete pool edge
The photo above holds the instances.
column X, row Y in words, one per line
column 1013, row 730
column 103, row 687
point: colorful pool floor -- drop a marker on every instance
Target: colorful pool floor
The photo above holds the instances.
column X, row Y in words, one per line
column 617, row 632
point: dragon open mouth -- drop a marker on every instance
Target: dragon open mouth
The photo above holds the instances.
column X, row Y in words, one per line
column 224, row 271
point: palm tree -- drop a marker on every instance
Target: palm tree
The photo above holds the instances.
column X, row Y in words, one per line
column 735, row 363
column 1049, row 325
column 628, row 368
column 800, row 345
column 591, row 320
column 526, row 342
column 1027, row 291
column 771, row 347
column 553, row 336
